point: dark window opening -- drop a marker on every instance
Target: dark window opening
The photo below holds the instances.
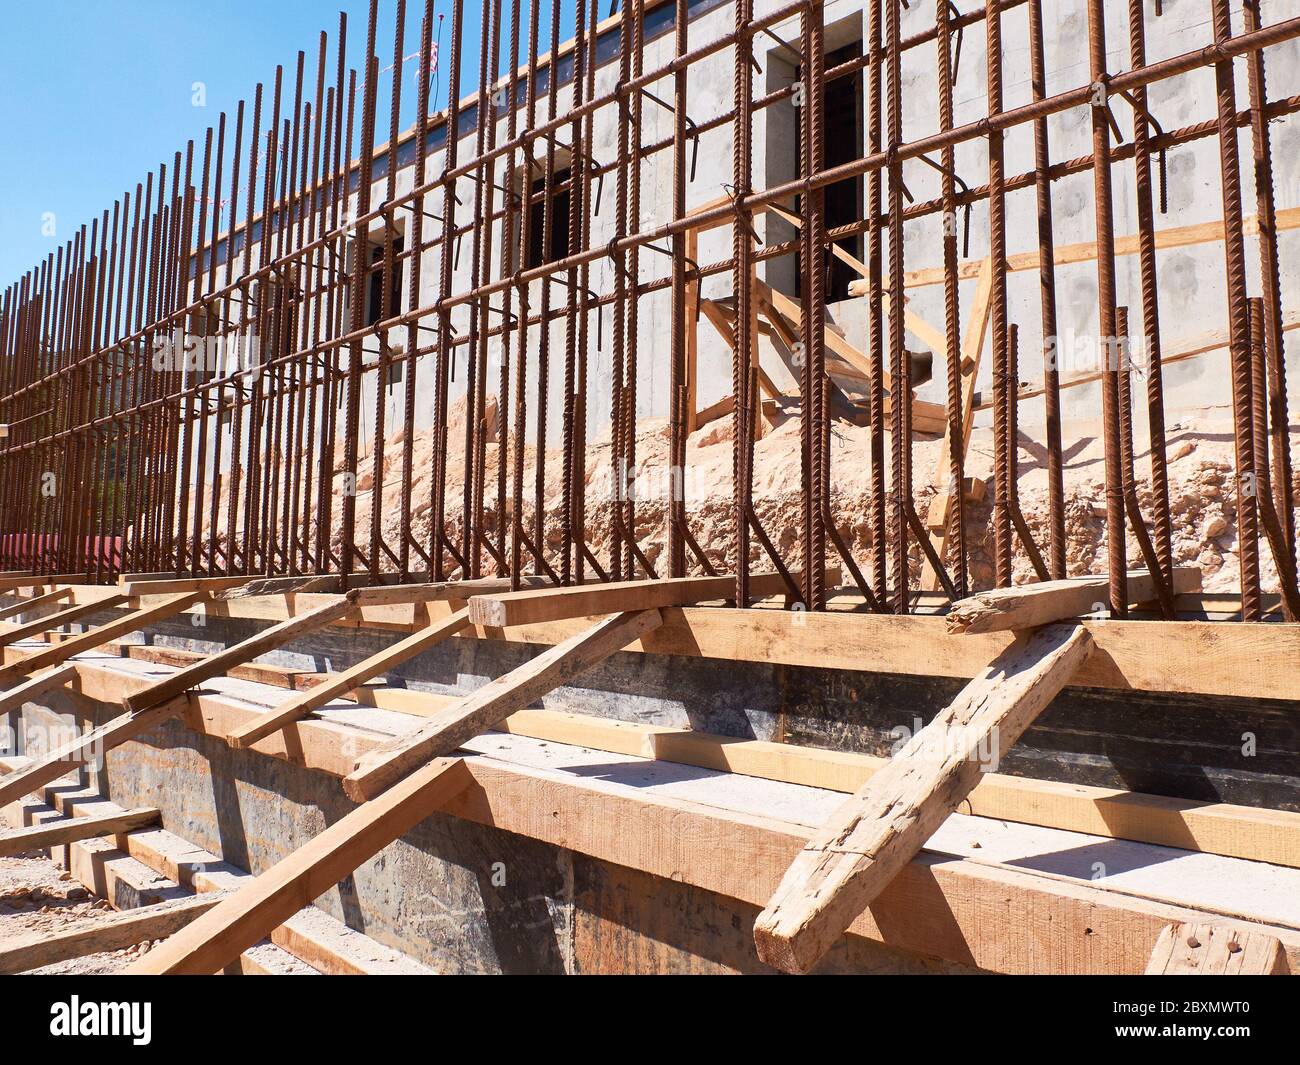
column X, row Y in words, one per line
column 842, row 143
column 540, row 249
column 375, row 282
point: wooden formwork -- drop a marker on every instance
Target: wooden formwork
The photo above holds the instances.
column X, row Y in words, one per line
column 1031, row 639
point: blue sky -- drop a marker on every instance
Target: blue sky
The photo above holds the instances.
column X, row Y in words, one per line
column 95, row 93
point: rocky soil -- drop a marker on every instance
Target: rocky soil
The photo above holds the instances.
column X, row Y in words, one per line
column 37, row 897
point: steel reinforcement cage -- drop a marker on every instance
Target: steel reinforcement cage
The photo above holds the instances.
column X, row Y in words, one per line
column 113, row 458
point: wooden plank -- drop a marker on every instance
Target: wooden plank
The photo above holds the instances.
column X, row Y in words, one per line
column 963, row 910
column 78, row 593
column 1189, row 656
column 691, row 337
column 878, row 831
column 216, row 665
column 385, row 698
column 1177, row 351
column 259, row 586
column 112, row 932
column 1253, row 833
column 102, row 634
column 836, row 344
column 721, row 318
column 972, row 350
column 150, row 575
column 86, row 747
column 974, row 489
column 249, row 914
column 1028, row 606
column 940, row 906
column 72, row 829
column 449, row 591
column 13, row 583
column 35, row 602
column 63, row 617
column 1186, row 949
column 171, row 586
column 341, row 683
column 1214, row 828
column 504, row 609
column 1086, row 251
column 30, row 689
column 920, row 328
column 927, row 417
column 258, row 672
column 482, row 709
column 59, row 578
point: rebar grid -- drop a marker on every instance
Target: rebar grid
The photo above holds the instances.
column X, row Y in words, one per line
column 122, row 456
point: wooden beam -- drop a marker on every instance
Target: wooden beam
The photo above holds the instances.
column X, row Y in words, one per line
column 216, row 665
column 1250, row 832
column 274, row 896
column 923, row 414
column 504, row 609
column 86, row 747
column 1086, row 251
column 112, row 932
column 28, row 690
column 1186, row 949
column 102, row 634
column 13, row 582
column 401, row 700
column 63, row 617
column 48, row 580
column 499, row 698
column 1026, row 606
column 449, row 591
column 71, row 829
column 691, row 338
column 722, row 319
column 36, row 601
column 341, row 683
column 878, row 831
column 972, row 350
column 974, row 490
column 171, row 586
column 259, row 586
column 920, row 328
column 1177, row 351
column 927, row 417
column 939, row 906
column 1190, row 656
